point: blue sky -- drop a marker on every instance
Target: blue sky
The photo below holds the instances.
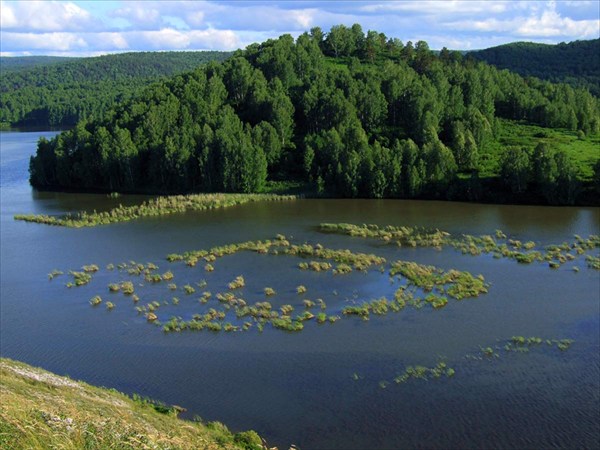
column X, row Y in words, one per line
column 82, row 28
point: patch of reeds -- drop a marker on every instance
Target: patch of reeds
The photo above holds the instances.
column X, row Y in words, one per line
column 54, row 274
column 237, row 283
column 455, row 283
column 80, row 278
column 127, row 287
column 269, row 291
column 156, row 207
column 425, row 373
column 189, row 289
column 498, row 244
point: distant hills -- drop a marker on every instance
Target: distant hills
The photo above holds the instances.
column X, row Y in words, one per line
column 576, row 63
column 58, row 92
column 345, row 113
column 10, row 63
column 51, row 91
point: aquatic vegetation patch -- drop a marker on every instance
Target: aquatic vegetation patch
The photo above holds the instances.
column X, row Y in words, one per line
column 54, row 274
column 189, row 289
column 523, row 344
column 159, row 206
column 593, row 262
column 315, row 266
column 404, row 236
column 300, row 289
column 440, row 370
column 237, row 283
column 455, row 283
column 127, row 287
column 80, row 278
column 520, row 344
column 438, row 284
column 269, row 291
column 358, row 261
column 497, row 244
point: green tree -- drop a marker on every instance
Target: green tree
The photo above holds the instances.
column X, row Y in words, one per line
column 515, row 169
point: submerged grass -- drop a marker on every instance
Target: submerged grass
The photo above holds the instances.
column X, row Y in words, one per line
column 156, row 207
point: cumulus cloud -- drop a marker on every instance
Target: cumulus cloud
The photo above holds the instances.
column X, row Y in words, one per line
column 53, row 27
column 542, row 21
column 45, row 16
column 439, row 7
column 56, row 41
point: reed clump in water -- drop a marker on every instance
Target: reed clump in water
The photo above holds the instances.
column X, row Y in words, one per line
column 237, row 283
column 127, row 288
column 156, row 207
column 80, row 278
column 54, row 274
column 440, row 370
column 498, row 244
column 269, row 291
column 459, row 284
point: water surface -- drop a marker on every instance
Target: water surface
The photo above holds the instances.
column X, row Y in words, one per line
column 298, row 388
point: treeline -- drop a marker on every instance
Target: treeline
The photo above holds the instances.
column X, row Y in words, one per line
column 17, row 63
column 354, row 114
column 576, row 63
column 56, row 93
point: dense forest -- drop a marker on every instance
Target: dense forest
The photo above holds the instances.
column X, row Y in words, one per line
column 351, row 114
column 576, row 63
column 17, row 63
column 58, row 92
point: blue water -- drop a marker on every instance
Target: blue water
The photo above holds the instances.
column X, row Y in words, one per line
column 299, row 388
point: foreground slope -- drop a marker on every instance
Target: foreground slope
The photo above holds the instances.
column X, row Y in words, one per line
column 41, row 410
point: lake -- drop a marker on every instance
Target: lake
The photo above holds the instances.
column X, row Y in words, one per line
column 321, row 387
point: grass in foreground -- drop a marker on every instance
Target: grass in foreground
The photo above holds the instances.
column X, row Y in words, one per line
column 156, row 207
column 41, row 410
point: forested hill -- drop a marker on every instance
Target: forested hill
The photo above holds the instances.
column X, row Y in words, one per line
column 16, row 63
column 53, row 93
column 351, row 114
column 576, row 63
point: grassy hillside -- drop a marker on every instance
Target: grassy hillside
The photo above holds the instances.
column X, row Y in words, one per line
column 583, row 151
column 576, row 63
column 50, row 93
column 40, row 410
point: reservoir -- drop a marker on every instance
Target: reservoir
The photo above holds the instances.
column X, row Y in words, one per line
column 330, row 385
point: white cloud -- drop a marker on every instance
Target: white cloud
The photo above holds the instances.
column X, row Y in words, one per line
column 45, row 16
column 136, row 14
column 194, row 18
column 438, row 7
column 550, row 24
column 56, row 41
column 52, row 27
column 543, row 21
